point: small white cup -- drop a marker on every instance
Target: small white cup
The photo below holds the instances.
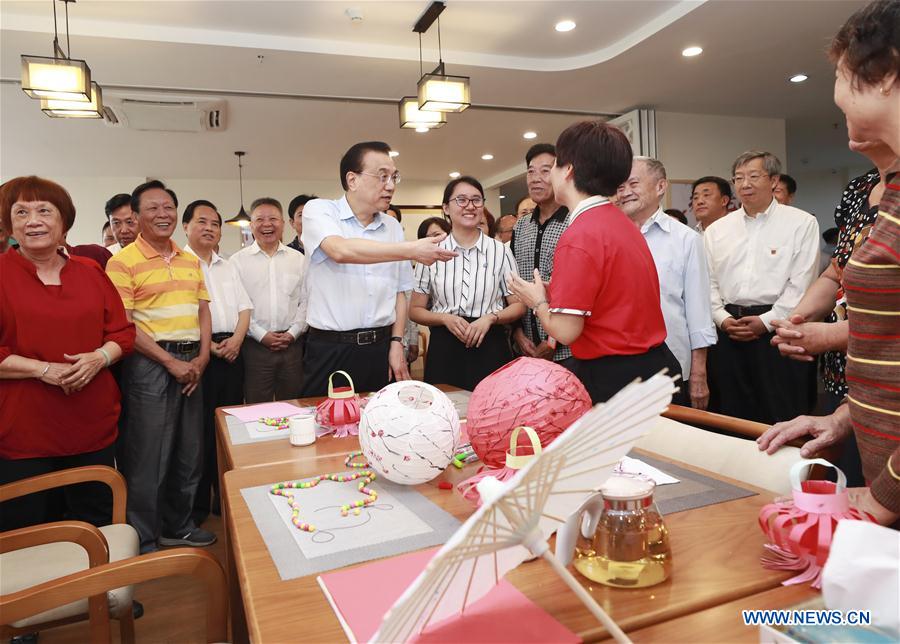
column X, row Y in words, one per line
column 303, row 430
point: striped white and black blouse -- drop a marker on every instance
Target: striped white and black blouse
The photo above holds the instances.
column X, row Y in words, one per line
column 473, row 283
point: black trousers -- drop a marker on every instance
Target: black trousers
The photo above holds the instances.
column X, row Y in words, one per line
column 223, row 386
column 271, row 375
column 605, row 377
column 451, row 363
column 367, row 365
column 751, row 380
column 90, row 502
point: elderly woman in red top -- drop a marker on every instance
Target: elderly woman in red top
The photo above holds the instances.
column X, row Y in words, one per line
column 61, row 325
column 604, row 291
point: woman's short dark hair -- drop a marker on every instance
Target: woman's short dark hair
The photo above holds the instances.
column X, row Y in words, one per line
column 144, row 187
column 472, row 181
column 869, row 43
column 188, row 213
column 34, row 188
column 599, row 153
column 353, row 158
column 538, row 149
column 440, row 222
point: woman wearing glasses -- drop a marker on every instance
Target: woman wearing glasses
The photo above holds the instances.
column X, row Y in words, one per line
column 470, row 301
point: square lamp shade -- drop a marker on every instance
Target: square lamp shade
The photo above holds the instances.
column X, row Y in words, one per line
column 63, row 79
column 411, row 117
column 75, row 109
column 442, row 93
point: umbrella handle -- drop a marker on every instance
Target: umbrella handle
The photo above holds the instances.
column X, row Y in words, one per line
column 611, row 627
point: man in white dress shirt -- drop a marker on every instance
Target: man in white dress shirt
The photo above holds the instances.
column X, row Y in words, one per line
column 122, row 221
column 272, row 275
column 683, row 278
column 230, row 307
column 358, row 273
column 762, row 257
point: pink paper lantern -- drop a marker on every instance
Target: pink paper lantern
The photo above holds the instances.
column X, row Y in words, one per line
column 528, row 391
column 340, row 411
column 800, row 529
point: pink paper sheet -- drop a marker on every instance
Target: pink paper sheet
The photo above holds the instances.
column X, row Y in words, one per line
column 252, row 413
column 503, row 615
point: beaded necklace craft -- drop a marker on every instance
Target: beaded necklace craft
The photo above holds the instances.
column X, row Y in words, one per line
column 287, row 489
column 275, row 422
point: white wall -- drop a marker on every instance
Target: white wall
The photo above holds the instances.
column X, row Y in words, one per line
column 90, row 194
column 695, row 145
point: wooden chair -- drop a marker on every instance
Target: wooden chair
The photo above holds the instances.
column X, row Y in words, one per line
column 49, row 570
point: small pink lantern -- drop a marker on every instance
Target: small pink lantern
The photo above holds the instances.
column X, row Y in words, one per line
column 800, row 529
column 531, row 392
column 340, row 411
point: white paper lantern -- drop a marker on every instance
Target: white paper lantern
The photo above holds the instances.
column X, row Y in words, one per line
column 408, row 432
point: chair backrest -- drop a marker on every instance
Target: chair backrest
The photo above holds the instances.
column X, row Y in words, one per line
column 736, row 458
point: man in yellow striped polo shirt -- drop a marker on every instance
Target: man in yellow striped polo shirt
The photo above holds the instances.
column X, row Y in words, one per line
column 164, row 294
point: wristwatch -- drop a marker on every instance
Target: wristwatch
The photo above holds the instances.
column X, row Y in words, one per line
column 397, row 338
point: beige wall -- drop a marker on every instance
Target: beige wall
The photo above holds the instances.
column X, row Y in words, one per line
column 694, row 145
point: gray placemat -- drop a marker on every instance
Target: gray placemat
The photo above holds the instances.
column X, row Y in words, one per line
column 693, row 490
column 239, row 435
column 290, row 559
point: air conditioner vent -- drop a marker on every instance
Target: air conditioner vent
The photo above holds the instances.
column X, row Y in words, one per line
column 166, row 115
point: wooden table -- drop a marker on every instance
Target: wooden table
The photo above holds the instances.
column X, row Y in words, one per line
column 716, row 553
column 724, row 622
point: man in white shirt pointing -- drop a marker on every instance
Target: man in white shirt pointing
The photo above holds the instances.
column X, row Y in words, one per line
column 358, row 273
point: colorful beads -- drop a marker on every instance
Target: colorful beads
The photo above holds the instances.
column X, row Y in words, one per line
column 286, row 489
column 276, row 422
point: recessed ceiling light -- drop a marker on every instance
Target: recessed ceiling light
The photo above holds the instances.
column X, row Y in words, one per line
column 692, row 51
column 529, row 135
column 394, row 153
column 487, row 157
column 503, row 196
column 798, row 78
column 454, row 175
column 565, row 25
column 421, row 130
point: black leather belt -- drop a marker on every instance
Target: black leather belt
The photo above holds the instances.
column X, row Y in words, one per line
column 738, row 311
column 359, row 337
column 218, row 337
column 180, row 346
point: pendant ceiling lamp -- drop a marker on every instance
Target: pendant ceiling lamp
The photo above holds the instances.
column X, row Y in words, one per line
column 241, row 219
column 437, row 91
column 56, row 108
column 59, row 77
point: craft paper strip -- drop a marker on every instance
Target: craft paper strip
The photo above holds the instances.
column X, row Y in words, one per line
column 637, row 466
column 252, row 413
column 362, row 543
column 503, row 615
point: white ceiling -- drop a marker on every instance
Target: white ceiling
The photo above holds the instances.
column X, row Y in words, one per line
column 621, row 55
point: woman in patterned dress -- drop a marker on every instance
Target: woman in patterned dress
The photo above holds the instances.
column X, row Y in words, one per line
column 867, row 89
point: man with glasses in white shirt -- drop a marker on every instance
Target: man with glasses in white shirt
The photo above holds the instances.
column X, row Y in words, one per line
column 358, row 272
column 762, row 257
column 272, row 275
column 683, row 278
column 229, row 307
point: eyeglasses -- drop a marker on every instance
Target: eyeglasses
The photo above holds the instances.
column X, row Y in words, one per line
column 384, row 177
column 463, row 201
column 754, row 177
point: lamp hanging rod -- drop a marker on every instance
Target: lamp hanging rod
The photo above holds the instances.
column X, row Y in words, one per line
column 363, row 100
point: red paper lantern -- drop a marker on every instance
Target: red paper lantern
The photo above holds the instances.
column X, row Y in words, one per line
column 340, row 411
column 526, row 392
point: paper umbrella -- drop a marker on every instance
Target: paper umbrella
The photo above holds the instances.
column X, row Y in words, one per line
column 518, row 516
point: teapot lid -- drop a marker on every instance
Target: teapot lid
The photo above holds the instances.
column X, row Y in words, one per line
column 623, row 486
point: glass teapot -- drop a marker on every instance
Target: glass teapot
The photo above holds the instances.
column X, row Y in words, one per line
column 617, row 537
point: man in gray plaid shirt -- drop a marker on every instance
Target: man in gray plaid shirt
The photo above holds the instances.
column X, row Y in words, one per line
column 533, row 244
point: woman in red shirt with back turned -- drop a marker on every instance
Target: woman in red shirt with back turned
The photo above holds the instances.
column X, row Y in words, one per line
column 604, row 291
column 62, row 325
